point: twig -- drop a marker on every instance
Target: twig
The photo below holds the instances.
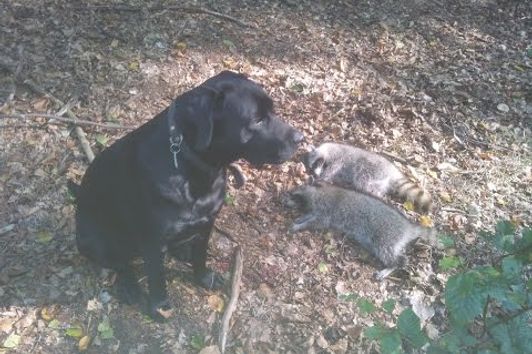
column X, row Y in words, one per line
column 231, row 306
column 397, row 158
column 34, row 87
column 198, row 10
column 63, row 119
column 79, row 132
column 226, row 234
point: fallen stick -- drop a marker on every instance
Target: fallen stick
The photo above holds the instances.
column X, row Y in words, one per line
column 231, row 306
column 59, row 118
column 85, row 145
column 59, row 104
column 197, row 10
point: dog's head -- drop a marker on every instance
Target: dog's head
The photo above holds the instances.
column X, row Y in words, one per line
column 230, row 117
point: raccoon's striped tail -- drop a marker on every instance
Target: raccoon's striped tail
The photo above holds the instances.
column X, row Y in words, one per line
column 405, row 189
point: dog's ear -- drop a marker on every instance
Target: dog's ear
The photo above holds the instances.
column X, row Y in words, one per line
column 198, row 113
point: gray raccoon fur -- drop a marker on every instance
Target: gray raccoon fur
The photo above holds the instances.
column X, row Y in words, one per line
column 379, row 228
column 353, row 168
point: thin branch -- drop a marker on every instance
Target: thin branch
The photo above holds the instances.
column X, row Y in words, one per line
column 59, row 104
column 231, row 306
column 64, row 120
column 197, row 10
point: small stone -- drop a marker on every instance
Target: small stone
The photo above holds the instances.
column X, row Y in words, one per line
column 503, row 107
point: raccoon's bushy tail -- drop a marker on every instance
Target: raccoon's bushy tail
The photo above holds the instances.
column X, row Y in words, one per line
column 405, row 189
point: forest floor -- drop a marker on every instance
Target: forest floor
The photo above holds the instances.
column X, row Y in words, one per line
column 445, row 86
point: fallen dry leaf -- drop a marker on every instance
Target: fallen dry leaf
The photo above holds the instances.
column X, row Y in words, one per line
column 83, row 343
column 216, row 303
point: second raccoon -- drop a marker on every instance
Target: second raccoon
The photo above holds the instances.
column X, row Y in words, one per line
column 379, row 228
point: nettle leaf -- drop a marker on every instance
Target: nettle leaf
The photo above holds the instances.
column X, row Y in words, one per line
column 388, row 305
column 501, row 335
column 375, row 332
column 449, row 262
column 511, row 267
column 504, row 236
column 390, row 343
column 409, row 326
column 463, row 297
column 366, row 306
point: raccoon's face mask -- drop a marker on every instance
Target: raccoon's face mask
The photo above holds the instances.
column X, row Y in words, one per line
column 314, row 163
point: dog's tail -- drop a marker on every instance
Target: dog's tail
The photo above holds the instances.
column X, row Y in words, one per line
column 73, row 188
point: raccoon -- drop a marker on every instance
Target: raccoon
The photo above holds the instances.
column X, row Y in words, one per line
column 353, row 168
column 376, row 226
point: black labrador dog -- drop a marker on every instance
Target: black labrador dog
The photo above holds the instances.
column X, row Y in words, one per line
column 161, row 186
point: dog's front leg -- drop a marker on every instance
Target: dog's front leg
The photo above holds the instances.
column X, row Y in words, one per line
column 203, row 275
column 158, row 305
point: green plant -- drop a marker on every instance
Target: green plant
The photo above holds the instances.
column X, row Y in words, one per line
column 489, row 306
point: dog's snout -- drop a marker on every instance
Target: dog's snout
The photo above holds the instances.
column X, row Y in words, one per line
column 298, row 137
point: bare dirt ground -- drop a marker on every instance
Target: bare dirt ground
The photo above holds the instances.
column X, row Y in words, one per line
column 443, row 85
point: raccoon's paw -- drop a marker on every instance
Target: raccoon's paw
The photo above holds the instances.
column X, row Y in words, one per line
column 302, row 222
column 383, row 274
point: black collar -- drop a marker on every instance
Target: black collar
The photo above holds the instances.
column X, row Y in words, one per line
column 178, row 145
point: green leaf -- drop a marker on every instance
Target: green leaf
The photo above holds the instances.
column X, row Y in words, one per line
column 365, row 306
column 12, row 341
column 323, row 267
column 54, row 324
column 75, row 332
column 409, row 326
column 446, row 241
column 228, row 43
column 347, row 297
column 504, row 236
column 44, row 236
column 391, row 343
column 511, row 267
column 197, row 342
column 449, row 262
column 229, row 199
column 102, row 139
column 388, row 305
column 375, row 332
column 105, row 329
column 297, row 87
column 464, row 298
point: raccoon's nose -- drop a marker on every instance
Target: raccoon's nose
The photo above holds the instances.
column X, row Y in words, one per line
column 297, row 137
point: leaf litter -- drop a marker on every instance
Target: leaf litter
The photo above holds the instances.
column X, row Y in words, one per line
column 446, row 91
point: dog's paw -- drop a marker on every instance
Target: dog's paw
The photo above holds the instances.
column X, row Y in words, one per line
column 210, row 280
column 161, row 310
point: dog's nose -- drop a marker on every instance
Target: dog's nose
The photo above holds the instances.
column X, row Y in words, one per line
column 298, row 137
